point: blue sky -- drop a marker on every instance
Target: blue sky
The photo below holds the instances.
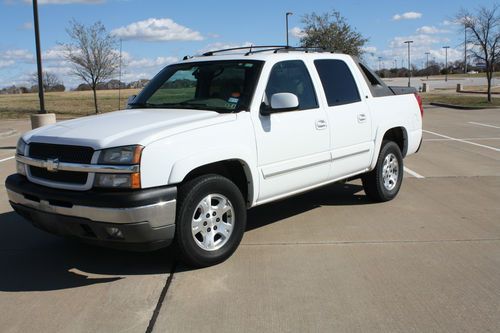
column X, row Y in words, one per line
column 156, row 33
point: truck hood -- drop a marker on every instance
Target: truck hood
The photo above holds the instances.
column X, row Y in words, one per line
column 128, row 127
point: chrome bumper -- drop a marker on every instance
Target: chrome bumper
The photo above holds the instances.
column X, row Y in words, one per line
column 158, row 215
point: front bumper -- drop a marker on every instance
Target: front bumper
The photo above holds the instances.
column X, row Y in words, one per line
column 145, row 218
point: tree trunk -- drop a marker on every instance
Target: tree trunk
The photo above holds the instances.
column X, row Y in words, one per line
column 489, row 74
column 94, row 88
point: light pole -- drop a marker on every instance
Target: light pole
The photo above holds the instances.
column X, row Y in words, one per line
column 286, row 19
column 446, row 63
column 409, row 62
column 427, row 64
column 38, row 58
column 395, row 63
column 379, row 60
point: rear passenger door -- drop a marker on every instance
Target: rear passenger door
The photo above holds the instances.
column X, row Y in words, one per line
column 348, row 116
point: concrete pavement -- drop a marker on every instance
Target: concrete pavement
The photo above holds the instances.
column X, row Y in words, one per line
column 327, row 260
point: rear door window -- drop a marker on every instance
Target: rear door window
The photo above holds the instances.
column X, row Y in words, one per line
column 337, row 80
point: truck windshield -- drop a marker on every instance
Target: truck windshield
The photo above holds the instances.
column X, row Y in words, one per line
column 222, row 86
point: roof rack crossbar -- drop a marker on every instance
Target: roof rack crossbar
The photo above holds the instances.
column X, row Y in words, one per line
column 210, row 53
column 268, row 48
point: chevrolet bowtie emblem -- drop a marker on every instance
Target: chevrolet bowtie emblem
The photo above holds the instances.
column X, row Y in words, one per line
column 52, row 165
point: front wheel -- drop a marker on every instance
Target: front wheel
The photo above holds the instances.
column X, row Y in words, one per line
column 211, row 220
column 383, row 182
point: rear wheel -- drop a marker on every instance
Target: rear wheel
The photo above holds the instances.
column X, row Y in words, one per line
column 211, row 220
column 383, row 182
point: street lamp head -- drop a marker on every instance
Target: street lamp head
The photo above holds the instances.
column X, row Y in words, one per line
column 409, row 41
column 289, row 13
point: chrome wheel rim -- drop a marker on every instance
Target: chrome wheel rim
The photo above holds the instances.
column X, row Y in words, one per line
column 212, row 223
column 390, row 171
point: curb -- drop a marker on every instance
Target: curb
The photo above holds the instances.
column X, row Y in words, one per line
column 461, row 107
column 5, row 132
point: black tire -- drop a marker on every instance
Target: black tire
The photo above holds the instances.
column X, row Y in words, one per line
column 373, row 181
column 190, row 197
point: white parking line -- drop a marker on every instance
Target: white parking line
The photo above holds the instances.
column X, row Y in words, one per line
column 6, row 159
column 463, row 141
column 475, row 139
column 413, row 173
column 485, row 125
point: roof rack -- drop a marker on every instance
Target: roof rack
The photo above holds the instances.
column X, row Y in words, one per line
column 267, row 48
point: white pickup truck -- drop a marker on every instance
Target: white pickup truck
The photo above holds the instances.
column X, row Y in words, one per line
column 210, row 137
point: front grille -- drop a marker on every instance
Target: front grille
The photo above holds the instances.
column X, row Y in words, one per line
column 64, row 153
column 59, row 176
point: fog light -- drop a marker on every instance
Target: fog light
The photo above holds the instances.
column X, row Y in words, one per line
column 114, row 233
column 21, row 168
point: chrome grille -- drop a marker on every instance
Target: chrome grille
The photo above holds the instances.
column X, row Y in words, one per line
column 64, row 153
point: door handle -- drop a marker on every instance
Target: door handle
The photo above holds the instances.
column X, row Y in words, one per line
column 321, row 124
column 361, row 117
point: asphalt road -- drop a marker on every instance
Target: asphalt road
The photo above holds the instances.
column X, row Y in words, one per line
column 328, row 260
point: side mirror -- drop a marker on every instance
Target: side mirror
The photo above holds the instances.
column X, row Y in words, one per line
column 281, row 102
column 130, row 100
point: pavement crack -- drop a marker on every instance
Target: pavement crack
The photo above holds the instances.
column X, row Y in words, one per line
column 375, row 242
column 161, row 299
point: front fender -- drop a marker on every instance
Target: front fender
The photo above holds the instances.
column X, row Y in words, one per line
column 181, row 168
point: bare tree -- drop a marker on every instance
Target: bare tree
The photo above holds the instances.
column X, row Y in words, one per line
column 92, row 52
column 332, row 32
column 51, row 82
column 484, row 34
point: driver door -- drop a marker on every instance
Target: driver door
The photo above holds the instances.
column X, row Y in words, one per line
column 293, row 146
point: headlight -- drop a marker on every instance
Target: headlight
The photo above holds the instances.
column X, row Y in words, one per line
column 121, row 155
column 21, row 150
column 120, row 180
column 21, row 147
column 126, row 155
column 21, row 168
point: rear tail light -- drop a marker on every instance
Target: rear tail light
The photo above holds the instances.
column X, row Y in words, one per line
column 419, row 100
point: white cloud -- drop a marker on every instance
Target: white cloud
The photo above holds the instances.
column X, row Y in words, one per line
column 422, row 43
column 431, row 30
column 17, row 55
column 148, row 62
column 407, row 16
column 369, row 49
column 155, row 30
column 448, row 23
column 297, row 32
column 6, row 63
column 56, row 53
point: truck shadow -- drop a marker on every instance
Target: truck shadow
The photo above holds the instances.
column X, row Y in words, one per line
column 332, row 195
column 32, row 260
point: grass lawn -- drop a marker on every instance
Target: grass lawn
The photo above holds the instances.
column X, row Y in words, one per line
column 462, row 100
column 65, row 104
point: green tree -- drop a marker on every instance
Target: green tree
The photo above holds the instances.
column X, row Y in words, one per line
column 331, row 32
